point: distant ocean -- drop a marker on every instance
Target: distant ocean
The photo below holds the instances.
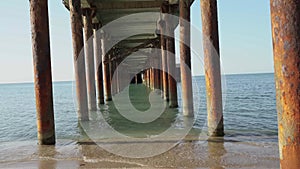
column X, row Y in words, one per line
column 249, row 109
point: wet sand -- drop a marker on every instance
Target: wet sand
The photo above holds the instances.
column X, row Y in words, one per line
column 213, row 154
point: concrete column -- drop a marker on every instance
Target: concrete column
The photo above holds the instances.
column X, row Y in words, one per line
column 99, row 67
column 212, row 67
column 170, row 27
column 106, row 72
column 285, row 16
column 185, row 58
column 164, row 9
column 79, row 60
column 42, row 71
column 89, row 57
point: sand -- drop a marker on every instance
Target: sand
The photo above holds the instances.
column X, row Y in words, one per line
column 213, row 154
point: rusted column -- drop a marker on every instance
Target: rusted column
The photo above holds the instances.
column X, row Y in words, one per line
column 113, row 67
column 170, row 27
column 156, row 77
column 212, row 67
column 42, row 70
column 145, row 77
column 114, row 73
column 79, row 60
column 118, row 77
column 89, row 57
column 185, row 58
column 164, row 9
column 151, row 78
column 156, row 71
column 148, row 77
column 106, row 72
column 285, row 16
column 98, row 56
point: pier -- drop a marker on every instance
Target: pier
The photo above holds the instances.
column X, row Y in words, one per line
column 96, row 63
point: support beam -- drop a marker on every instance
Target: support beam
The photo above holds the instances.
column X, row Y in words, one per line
column 145, row 77
column 127, row 5
column 149, row 78
column 170, row 28
column 106, row 72
column 99, row 67
column 89, row 57
column 164, row 9
column 185, row 58
column 113, row 67
column 79, row 60
column 118, row 77
column 212, row 67
column 285, row 16
column 156, row 72
column 42, row 71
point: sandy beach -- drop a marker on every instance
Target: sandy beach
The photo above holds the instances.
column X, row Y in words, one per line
column 213, row 154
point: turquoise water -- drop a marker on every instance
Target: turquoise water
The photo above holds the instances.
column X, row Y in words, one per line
column 249, row 113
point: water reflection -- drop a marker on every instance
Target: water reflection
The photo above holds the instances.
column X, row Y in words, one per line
column 46, row 156
column 139, row 97
column 216, row 151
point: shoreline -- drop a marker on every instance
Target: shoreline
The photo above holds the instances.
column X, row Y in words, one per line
column 214, row 153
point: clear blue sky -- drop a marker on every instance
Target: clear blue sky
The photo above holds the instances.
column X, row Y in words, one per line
column 244, row 26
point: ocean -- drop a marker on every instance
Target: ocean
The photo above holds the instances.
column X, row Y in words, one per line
column 249, row 111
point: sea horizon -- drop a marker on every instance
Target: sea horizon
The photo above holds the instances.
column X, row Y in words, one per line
column 63, row 81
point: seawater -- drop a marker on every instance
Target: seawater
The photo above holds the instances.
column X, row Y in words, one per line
column 249, row 110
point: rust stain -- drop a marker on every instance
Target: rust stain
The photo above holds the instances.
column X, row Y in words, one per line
column 185, row 58
column 285, row 15
column 42, row 70
column 212, row 67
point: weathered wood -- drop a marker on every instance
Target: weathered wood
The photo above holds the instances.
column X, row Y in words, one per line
column 79, row 60
column 42, row 70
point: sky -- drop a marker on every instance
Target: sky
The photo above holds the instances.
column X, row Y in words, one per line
column 244, row 28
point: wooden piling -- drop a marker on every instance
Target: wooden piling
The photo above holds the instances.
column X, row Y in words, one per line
column 170, row 27
column 99, row 67
column 285, row 15
column 89, row 57
column 185, row 58
column 42, row 71
column 79, row 60
column 212, row 67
